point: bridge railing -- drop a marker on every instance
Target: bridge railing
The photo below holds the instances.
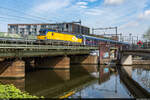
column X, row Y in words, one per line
column 20, row 43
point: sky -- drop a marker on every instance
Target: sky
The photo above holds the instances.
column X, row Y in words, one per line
column 130, row 16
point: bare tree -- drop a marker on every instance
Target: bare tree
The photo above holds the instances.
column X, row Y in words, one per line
column 147, row 35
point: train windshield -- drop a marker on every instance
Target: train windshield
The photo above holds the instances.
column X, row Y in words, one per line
column 42, row 32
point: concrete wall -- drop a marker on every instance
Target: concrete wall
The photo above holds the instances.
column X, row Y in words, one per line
column 53, row 62
column 13, row 69
column 84, row 59
column 141, row 62
column 16, row 68
column 126, row 60
column 127, row 69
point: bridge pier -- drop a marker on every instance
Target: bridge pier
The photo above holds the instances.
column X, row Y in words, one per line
column 12, row 69
column 84, row 59
column 127, row 70
column 56, row 62
column 126, row 60
column 29, row 64
column 106, row 54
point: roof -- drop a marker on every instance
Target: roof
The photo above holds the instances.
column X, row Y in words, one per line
column 107, row 40
column 46, row 24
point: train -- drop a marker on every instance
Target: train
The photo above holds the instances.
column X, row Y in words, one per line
column 48, row 35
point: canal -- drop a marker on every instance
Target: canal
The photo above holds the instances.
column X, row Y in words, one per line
column 80, row 81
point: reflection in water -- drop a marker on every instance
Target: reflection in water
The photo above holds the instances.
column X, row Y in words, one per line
column 19, row 83
column 54, row 83
column 142, row 76
column 107, row 86
column 87, row 81
column 127, row 69
column 63, row 74
column 46, row 82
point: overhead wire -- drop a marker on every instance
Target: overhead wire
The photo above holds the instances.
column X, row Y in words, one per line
column 29, row 15
column 34, row 14
column 14, row 10
column 21, row 17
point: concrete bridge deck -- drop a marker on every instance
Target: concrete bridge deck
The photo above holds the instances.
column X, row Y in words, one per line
column 137, row 52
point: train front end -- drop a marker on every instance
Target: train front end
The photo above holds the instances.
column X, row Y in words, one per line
column 42, row 35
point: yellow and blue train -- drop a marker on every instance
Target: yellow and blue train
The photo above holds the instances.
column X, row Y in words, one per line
column 47, row 35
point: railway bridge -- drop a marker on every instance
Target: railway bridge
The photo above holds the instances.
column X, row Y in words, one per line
column 125, row 56
column 125, row 71
column 16, row 58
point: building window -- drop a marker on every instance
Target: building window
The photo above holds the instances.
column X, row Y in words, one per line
column 28, row 26
column 43, row 26
column 34, row 26
column 12, row 26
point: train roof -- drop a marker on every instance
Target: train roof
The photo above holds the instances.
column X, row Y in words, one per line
column 106, row 40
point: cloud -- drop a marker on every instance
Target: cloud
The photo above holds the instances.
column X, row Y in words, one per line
column 94, row 12
column 91, row 0
column 129, row 15
column 145, row 15
column 113, row 2
column 88, row 1
column 130, row 24
column 50, row 5
column 82, row 4
column 125, row 16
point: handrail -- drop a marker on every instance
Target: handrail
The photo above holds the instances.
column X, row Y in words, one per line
column 24, row 46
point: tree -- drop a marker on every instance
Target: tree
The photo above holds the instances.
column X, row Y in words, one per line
column 147, row 35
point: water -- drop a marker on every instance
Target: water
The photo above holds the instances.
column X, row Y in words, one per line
column 82, row 81
column 112, row 88
column 141, row 74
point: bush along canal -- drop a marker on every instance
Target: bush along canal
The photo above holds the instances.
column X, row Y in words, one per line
column 10, row 91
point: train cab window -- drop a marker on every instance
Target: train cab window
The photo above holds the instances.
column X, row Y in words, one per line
column 42, row 32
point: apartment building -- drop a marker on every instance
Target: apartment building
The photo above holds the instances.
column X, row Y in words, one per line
column 28, row 29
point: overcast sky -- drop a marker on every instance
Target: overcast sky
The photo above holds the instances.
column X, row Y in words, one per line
column 131, row 16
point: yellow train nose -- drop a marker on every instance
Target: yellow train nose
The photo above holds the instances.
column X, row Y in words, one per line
column 41, row 37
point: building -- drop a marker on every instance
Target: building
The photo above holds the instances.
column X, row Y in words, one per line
column 28, row 29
